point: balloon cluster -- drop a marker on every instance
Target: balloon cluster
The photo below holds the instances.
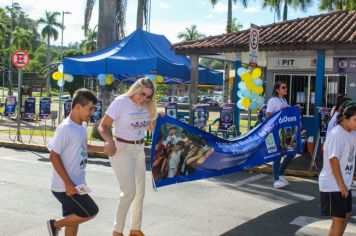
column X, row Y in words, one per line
column 250, row 89
column 61, row 77
column 155, row 78
column 105, row 79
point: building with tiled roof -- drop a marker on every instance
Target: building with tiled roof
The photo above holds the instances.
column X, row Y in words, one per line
column 315, row 56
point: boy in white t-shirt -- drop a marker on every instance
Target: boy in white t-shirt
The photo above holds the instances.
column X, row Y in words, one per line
column 68, row 154
column 338, row 168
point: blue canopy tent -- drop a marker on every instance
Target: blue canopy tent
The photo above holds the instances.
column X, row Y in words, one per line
column 138, row 54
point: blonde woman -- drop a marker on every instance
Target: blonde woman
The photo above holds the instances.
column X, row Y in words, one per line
column 132, row 114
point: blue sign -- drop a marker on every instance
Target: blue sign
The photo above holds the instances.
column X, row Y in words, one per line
column 196, row 154
column 226, row 116
column 30, row 107
column 98, row 112
column 344, row 65
column 201, row 115
column 67, row 107
column 45, row 108
column 10, row 105
column 171, row 110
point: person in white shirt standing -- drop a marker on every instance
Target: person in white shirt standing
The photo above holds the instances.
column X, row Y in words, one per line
column 132, row 114
column 338, row 168
column 68, row 154
column 276, row 103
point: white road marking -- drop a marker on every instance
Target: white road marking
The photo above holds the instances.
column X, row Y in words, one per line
column 304, row 220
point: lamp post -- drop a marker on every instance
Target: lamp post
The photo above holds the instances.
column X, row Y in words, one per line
column 61, row 87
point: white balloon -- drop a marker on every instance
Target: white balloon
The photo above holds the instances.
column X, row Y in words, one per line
column 60, row 68
column 61, row 82
column 68, row 77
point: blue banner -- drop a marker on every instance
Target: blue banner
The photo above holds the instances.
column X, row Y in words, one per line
column 10, row 105
column 30, row 107
column 98, row 112
column 45, row 107
column 181, row 152
column 171, row 109
column 67, row 107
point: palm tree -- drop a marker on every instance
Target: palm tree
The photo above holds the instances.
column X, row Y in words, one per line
column 22, row 39
column 276, row 6
column 89, row 43
column 49, row 31
column 235, row 26
column 228, row 30
column 190, row 33
column 333, row 5
column 229, row 12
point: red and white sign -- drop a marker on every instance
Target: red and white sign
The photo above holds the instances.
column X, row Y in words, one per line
column 253, row 45
column 20, row 59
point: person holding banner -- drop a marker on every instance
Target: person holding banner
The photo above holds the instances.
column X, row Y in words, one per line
column 335, row 178
column 132, row 114
column 276, row 103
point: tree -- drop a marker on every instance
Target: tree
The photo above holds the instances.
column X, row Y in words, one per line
column 235, row 26
column 49, row 31
column 228, row 30
column 333, row 5
column 229, row 12
column 190, row 33
column 22, row 39
column 88, row 45
column 276, row 6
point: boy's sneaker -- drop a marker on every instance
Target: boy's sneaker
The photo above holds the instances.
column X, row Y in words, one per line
column 52, row 230
column 279, row 184
column 283, row 179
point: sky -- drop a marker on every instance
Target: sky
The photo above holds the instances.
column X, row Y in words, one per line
column 168, row 17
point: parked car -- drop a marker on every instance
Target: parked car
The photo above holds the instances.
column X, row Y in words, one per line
column 184, row 99
column 209, row 100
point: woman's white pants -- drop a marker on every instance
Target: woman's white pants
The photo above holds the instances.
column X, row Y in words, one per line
column 130, row 169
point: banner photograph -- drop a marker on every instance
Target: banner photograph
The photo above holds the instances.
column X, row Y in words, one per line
column 181, row 152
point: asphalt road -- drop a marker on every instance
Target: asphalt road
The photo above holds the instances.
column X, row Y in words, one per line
column 239, row 204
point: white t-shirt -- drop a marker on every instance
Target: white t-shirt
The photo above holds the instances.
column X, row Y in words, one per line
column 130, row 120
column 341, row 144
column 175, row 159
column 70, row 142
column 170, row 139
column 275, row 104
column 332, row 122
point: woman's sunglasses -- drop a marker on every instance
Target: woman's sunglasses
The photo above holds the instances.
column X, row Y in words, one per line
column 144, row 95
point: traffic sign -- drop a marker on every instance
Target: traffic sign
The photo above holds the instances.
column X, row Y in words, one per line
column 20, row 59
column 253, row 45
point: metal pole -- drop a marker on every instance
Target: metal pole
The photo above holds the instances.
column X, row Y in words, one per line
column 18, row 134
column 10, row 53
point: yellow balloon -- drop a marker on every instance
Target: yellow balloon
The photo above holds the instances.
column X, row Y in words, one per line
column 256, row 73
column 246, row 102
column 57, row 75
column 259, row 90
column 159, row 79
column 250, row 84
column 108, row 80
column 246, row 76
column 109, row 76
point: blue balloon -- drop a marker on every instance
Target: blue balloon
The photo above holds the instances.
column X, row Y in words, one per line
column 101, row 76
column 240, row 71
column 239, row 105
column 151, row 76
column 60, row 68
column 246, row 93
column 253, row 106
column 254, row 96
column 102, row 81
column 61, row 82
column 242, row 85
column 239, row 94
column 260, row 101
column 258, row 82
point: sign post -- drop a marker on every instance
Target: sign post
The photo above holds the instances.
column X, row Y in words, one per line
column 253, row 46
column 20, row 59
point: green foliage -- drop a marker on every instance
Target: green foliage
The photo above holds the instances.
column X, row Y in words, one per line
column 162, row 89
column 212, row 63
column 190, row 33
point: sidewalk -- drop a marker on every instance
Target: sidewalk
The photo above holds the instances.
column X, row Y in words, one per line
column 298, row 167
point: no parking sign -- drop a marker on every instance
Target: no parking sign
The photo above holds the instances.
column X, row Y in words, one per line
column 253, row 45
column 20, row 59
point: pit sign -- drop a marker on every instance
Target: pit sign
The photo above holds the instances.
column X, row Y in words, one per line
column 20, row 59
column 253, row 45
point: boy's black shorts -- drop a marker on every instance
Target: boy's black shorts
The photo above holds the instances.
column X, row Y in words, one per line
column 80, row 205
column 334, row 204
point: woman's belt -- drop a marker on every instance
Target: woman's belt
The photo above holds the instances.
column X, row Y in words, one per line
column 140, row 141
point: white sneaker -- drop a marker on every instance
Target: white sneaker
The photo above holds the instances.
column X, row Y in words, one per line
column 279, row 184
column 283, row 179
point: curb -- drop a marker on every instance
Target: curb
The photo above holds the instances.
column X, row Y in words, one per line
column 300, row 173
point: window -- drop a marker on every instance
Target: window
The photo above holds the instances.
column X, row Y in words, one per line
column 301, row 89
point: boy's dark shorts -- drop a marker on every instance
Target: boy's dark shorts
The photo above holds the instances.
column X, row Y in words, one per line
column 334, row 204
column 80, row 205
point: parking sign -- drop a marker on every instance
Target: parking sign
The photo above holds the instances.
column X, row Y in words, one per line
column 253, row 45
